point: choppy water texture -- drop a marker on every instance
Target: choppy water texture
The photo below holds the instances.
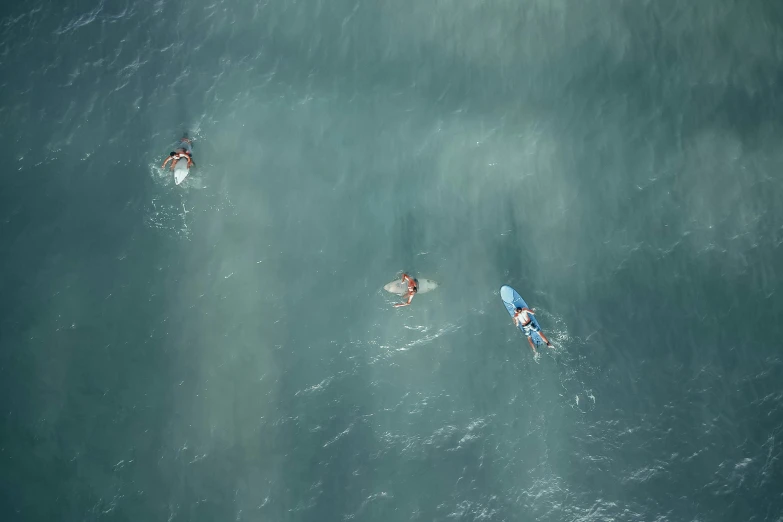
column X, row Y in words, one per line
column 223, row 351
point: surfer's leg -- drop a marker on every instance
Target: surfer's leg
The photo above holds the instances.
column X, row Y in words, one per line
column 530, row 342
column 404, row 303
column 544, row 338
column 408, row 297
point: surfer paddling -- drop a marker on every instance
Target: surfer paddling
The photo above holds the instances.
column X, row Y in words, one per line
column 413, row 287
column 184, row 152
column 523, row 317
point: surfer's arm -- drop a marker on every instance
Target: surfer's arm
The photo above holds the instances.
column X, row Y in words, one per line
column 165, row 162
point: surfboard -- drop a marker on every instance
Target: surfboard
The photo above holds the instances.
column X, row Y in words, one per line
column 400, row 288
column 513, row 300
column 181, row 171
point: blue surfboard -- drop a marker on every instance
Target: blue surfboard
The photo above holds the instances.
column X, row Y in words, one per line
column 513, row 300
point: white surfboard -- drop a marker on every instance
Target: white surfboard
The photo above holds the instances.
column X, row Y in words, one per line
column 400, row 288
column 181, row 171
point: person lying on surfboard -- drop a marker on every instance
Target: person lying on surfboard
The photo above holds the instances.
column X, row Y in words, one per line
column 184, row 151
column 413, row 287
column 522, row 317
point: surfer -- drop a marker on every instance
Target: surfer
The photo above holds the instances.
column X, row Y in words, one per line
column 413, row 287
column 184, row 151
column 523, row 317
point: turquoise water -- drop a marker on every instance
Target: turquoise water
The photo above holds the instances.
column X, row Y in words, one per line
column 223, row 350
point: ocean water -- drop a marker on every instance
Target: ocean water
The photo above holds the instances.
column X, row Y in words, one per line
column 223, row 350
